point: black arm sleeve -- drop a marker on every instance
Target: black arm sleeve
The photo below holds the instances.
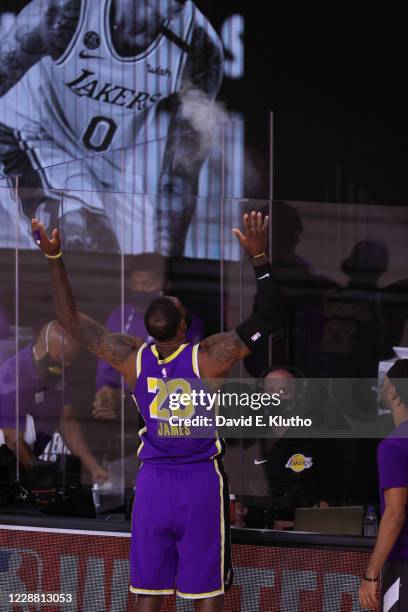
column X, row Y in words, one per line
column 267, row 301
column 267, row 316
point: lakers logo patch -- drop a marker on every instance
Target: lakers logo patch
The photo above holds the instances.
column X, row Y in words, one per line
column 92, row 40
column 298, row 462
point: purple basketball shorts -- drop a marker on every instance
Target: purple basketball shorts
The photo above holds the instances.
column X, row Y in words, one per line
column 180, row 531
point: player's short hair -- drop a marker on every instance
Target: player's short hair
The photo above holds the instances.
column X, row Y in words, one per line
column 162, row 318
column 398, row 375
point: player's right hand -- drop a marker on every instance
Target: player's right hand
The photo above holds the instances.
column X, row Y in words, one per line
column 106, row 403
column 254, row 238
column 48, row 246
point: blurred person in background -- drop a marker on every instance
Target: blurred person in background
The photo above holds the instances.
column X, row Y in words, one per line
column 390, row 554
column 41, row 370
column 350, row 346
column 147, row 280
column 353, row 325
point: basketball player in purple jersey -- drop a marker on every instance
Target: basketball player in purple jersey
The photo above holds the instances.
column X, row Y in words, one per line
column 81, row 79
column 180, row 531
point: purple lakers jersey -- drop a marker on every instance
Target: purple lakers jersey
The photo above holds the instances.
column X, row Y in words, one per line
column 158, row 380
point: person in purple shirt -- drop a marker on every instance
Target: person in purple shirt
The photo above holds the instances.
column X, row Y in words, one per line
column 391, row 550
column 147, row 280
column 45, row 394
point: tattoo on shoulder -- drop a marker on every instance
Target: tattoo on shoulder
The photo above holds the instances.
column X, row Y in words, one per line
column 223, row 347
column 36, row 33
column 30, row 40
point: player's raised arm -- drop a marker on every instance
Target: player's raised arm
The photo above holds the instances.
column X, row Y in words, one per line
column 189, row 139
column 200, row 83
column 43, row 27
column 118, row 349
column 218, row 353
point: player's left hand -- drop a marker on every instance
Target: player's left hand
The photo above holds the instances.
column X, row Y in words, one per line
column 368, row 595
column 48, row 246
column 255, row 236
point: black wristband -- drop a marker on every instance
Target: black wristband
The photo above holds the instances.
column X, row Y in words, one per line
column 370, row 579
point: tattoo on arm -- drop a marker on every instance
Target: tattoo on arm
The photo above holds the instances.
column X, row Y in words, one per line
column 22, row 46
column 11, row 69
column 188, row 144
column 41, row 28
column 225, row 349
column 116, row 348
column 204, row 69
column 113, row 347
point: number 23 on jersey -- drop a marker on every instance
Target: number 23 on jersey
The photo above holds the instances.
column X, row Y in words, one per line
column 162, row 391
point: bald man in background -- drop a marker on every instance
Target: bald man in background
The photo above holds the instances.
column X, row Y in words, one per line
column 44, row 392
column 266, row 462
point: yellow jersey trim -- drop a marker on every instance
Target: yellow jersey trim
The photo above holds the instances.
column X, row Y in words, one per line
column 200, row 595
column 222, row 522
column 170, row 357
column 133, row 589
column 139, row 359
column 194, row 357
column 140, row 434
column 218, row 446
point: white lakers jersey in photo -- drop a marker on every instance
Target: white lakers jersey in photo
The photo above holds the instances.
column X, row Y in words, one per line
column 105, row 101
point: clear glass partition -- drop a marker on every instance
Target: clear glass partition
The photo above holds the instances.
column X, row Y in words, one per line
column 342, row 276
column 343, row 283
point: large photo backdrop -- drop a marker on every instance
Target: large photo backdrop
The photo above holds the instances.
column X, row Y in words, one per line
column 114, row 116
